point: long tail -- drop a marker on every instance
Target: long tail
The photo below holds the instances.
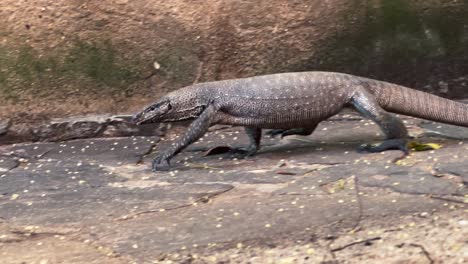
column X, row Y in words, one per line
column 402, row 100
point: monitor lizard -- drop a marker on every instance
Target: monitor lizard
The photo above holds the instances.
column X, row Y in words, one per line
column 295, row 103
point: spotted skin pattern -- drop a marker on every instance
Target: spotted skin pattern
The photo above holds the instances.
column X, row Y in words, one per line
column 295, row 103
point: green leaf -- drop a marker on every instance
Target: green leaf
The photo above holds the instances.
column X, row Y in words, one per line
column 416, row 146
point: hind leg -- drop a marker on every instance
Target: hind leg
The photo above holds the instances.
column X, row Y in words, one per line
column 393, row 128
column 255, row 135
column 303, row 131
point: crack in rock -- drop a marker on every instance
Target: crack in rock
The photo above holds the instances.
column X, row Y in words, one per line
column 204, row 199
column 366, row 242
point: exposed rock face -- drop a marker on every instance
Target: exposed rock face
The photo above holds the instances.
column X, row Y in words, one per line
column 4, row 125
column 62, row 129
column 77, row 57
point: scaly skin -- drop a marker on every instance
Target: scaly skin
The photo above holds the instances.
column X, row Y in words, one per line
column 295, row 103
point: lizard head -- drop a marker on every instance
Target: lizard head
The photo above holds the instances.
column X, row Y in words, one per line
column 173, row 107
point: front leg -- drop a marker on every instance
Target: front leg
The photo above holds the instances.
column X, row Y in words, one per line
column 195, row 131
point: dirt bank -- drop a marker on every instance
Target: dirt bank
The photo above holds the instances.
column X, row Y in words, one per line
column 77, row 57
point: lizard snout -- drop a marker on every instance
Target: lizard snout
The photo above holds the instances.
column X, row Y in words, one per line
column 136, row 119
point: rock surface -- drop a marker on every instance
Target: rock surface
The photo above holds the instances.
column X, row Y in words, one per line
column 62, row 129
column 300, row 200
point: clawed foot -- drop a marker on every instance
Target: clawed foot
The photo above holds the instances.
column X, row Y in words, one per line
column 160, row 164
column 389, row 144
column 243, row 153
column 289, row 132
column 275, row 132
column 239, row 153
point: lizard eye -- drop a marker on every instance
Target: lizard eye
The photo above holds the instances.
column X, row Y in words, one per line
column 169, row 106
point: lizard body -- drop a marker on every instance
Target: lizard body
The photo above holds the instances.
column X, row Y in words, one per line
column 295, row 103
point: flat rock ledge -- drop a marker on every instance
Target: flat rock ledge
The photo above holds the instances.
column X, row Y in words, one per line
column 308, row 199
column 62, row 129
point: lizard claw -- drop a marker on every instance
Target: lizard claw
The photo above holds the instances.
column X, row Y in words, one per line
column 275, row 132
column 242, row 153
column 160, row 164
column 397, row 143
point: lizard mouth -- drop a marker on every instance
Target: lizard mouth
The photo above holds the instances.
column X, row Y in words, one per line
column 143, row 121
column 138, row 120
